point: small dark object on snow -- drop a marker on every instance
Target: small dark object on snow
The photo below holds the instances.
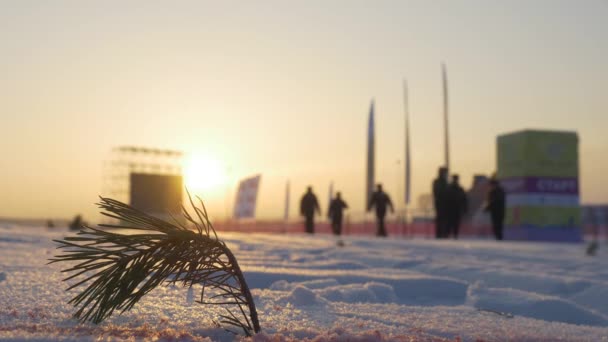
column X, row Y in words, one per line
column 500, row 313
column 592, row 248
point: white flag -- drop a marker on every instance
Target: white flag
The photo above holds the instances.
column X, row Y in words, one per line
column 246, row 197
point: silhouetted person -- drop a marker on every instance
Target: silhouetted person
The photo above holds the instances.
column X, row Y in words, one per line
column 308, row 206
column 456, row 207
column 380, row 201
column 593, row 222
column 496, row 207
column 440, row 187
column 76, row 223
column 335, row 211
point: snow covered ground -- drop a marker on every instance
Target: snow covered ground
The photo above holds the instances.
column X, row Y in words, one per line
column 305, row 287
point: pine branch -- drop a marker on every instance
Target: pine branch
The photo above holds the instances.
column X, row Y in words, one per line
column 119, row 269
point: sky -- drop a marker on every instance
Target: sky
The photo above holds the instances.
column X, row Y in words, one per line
column 283, row 88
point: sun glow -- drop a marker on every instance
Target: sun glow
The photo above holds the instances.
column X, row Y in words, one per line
column 203, row 173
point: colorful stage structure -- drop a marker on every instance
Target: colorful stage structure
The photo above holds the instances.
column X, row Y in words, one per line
column 540, row 173
column 149, row 179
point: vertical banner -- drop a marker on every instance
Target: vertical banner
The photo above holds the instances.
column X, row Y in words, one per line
column 370, row 179
column 246, row 196
column 408, row 173
column 286, row 212
column 446, row 110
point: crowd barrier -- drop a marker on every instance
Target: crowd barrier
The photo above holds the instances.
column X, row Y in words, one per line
column 368, row 228
column 412, row 229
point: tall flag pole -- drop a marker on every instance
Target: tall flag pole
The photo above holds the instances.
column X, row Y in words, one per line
column 286, row 212
column 445, row 116
column 408, row 172
column 370, row 156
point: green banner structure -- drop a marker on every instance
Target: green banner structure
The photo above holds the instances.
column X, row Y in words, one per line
column 543, row 216
column 539, row 171
column 537, row 154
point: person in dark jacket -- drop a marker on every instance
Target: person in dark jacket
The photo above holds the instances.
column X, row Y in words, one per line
column 308, row 205
column 380, row 200
column 456, row 207
column 335, row 211
column 440, row 186
column 496, row 207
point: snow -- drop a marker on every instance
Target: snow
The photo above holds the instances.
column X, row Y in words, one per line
column 308, row 288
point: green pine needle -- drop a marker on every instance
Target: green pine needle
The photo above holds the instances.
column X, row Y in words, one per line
column 119, row 269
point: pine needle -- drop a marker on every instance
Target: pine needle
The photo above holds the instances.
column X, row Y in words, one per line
column 119, row 269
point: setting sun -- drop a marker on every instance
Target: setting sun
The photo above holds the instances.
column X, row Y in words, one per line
column 203, row 173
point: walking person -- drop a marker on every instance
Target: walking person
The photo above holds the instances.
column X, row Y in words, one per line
column 456, row 207
column 380, row 200
column 308, row 206
column 335, row 213
column 496, row 207
column 440, row 186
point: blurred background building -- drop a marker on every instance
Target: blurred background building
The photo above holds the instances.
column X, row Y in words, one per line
column 149, row 179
